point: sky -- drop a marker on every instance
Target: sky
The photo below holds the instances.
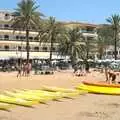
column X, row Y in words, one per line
column 90, row 11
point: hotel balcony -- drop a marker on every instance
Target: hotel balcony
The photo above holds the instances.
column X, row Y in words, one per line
column 89, row 33
column 21, row 46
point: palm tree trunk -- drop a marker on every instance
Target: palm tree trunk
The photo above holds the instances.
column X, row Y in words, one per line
column 73, row 63
column 101, row 51
column 27, row 45
column 115, row 45
column 86, row 65
column 87, row 48
column 100, row 57
column 87, row 54
column 51, row 48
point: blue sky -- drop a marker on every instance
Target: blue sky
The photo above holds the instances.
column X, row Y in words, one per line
column 91, row 11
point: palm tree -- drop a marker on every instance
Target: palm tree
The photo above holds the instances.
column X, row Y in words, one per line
column 26, row 17
column 89, row 45
column 104, row 39
column 114, row 20
column 50, row 34
column 87, row 50
column 101, row 47
column 71, row 44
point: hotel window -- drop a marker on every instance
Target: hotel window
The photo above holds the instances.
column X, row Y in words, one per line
column 53, row 49
column 44, row 49
column 22, row 37
column 6, row 47
column 36, row 49
column 6, row 26
column 7, row 16
column 19, row 48
column 17, row 37
column 31, row 38
column 6, row 37
column 36, row 38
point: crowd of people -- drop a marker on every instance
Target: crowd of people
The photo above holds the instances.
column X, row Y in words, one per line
column 110, row 74
column 24, row 69
column 80, row 70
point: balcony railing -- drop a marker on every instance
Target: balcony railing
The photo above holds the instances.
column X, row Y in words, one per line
column 20, row 40
column 24, row 50
column 17, row 29
column 85, row 31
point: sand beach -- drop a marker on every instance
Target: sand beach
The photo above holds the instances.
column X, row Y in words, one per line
column 83, row 107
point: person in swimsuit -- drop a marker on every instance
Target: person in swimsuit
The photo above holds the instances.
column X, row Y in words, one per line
column 112, row 77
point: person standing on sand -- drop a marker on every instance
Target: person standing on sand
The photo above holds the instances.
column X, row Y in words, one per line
column 106, row 74
column 19, row 71
column 75, row 67
column 24, row 69
column 29, row 68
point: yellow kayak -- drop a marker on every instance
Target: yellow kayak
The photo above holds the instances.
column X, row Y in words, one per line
column 57, row 89
column 5, row 106
column 42, row 94
column 70, row 95
column 26, row 96
column 53, row 95
column 100, row 88
column 58, row 95
column 16, row 101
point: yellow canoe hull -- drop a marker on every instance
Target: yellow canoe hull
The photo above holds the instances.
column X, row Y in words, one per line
column 16, row 101
column 54, row 95
column 6, row 107
column 57, row 89
column 92, row 88
column 40, row 93
column 26, row 96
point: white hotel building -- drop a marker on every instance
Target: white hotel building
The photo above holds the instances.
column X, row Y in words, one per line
column 13, row 44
